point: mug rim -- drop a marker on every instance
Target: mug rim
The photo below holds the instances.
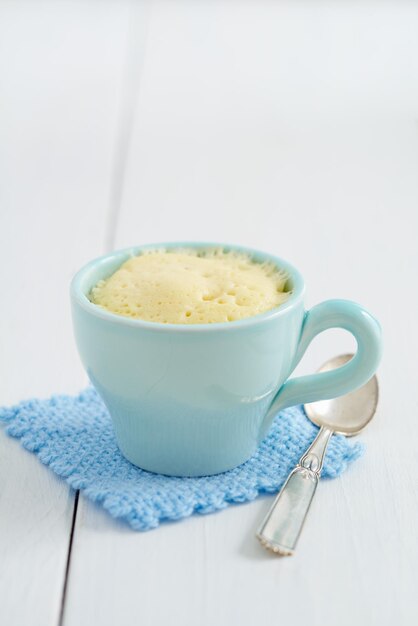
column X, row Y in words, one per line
column 78, row 294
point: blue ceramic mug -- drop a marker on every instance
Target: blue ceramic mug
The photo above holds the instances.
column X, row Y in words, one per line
column 193, row 400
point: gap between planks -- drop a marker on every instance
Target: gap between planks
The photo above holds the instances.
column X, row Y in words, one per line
column 136, row 44
column 68, row 562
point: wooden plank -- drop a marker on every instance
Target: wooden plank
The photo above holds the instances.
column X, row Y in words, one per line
column 35, row 520
column 61, row 66
column 289, row 127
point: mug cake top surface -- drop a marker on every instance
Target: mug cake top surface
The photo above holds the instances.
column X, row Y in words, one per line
column 191, row 286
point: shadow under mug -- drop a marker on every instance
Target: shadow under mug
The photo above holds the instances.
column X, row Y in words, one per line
column 193, row 400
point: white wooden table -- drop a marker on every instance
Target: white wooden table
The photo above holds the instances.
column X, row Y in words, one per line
column 287, row 126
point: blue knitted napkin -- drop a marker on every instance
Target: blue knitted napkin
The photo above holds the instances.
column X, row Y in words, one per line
column 74, row 437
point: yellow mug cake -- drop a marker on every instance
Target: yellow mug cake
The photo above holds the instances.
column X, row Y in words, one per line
column 187, row 286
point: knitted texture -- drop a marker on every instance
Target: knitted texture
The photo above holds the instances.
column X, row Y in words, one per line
column 74, row 437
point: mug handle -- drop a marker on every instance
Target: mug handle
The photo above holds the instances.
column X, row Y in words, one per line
column 326, row 385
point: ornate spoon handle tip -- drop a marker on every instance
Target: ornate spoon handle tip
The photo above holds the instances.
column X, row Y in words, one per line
column 283, row 524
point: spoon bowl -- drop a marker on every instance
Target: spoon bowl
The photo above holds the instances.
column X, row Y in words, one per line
column 347, row 415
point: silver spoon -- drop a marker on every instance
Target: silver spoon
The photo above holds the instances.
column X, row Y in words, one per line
column 346, row 415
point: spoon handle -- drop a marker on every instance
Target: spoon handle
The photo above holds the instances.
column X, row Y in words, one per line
column 282, row 526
